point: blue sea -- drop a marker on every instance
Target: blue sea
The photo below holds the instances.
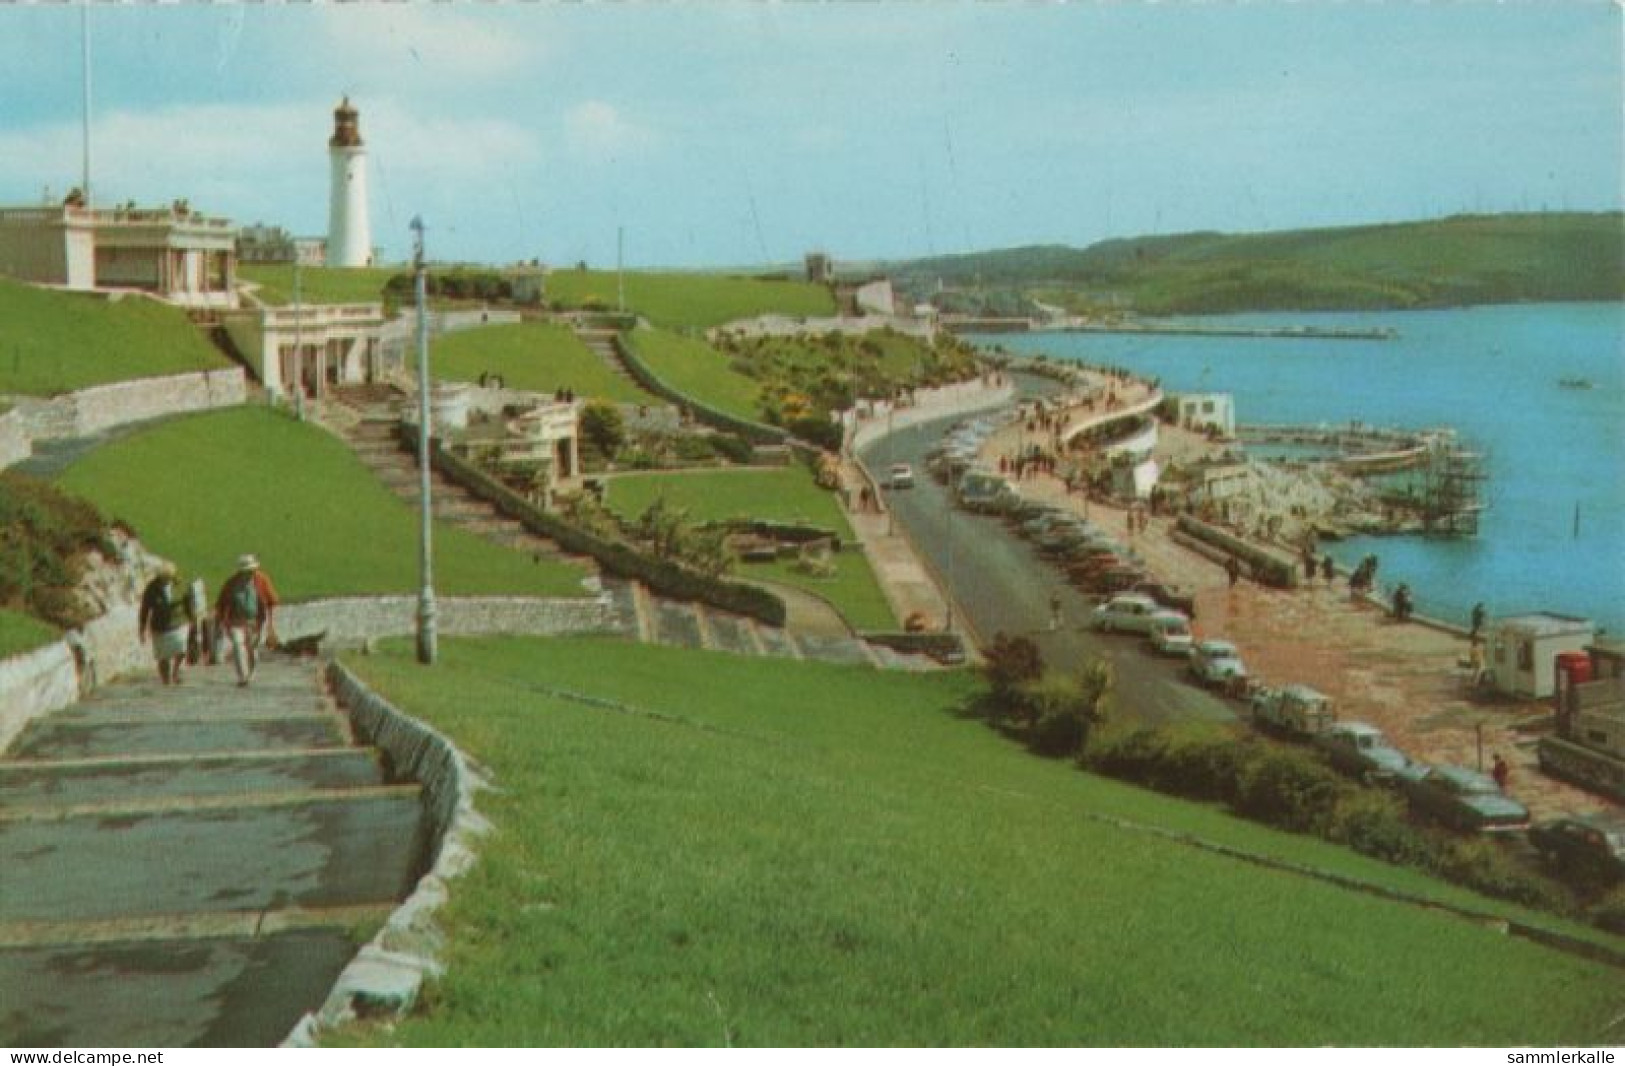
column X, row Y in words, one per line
column 1493, row 373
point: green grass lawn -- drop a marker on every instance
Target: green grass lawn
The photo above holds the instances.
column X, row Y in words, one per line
column 534, row 356
column 762, row 852
column 20, row 632
column 691, row 300
column 54, row 342
column 780, row 494
column 695, row 369
column 853, row 590
column 202, row 490
column 319, row 285
column 786, row 494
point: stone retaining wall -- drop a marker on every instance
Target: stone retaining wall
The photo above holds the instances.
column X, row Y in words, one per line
column 15, row 444
column 387, row 974
column 353, row 620
column 47, row 679
column 88, row 411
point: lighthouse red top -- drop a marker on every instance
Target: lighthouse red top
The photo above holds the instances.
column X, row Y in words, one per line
column 346, row 126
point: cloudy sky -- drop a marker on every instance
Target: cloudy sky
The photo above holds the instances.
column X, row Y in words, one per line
column 733, row 133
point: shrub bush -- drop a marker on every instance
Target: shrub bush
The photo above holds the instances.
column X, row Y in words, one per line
column 1609, row 911
column 1486, row 867
column 1203, row 762
column 1375, row 824
column 45, row 535
column 1288, row 788
column 734, row 448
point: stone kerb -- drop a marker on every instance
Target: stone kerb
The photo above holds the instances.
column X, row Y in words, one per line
column 15, row 445
column 132, row 401
column 353, row 620
column 387, row 974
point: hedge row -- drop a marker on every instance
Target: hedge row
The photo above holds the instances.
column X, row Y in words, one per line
column 755, row 432
column 662, row 576
column 1266, row 568
column 1292, row 789
column 45, row 537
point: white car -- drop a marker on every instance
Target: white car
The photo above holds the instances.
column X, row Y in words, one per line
column 1127, row 612
column 901, row 476
column 1171, row 633
column 1217, row 662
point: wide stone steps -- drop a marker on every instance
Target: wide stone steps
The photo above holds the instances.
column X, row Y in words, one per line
column 184, row 864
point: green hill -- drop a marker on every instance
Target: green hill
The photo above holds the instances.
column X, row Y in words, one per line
column 1466, row 259
column 695, row 848
column 54, row 342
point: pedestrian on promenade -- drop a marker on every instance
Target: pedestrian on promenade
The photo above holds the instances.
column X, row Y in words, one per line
column 1232, row 567
column 245, row 611
column 1328, row 570
column 1478, row 617
column 1054, row 611
column 1501, row 771
column 863, row 498
column 1310, row 565
column 1402, row 602
column 166, row 615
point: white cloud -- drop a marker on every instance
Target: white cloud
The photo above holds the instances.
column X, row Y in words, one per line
column 372, row 45
column 598, row 131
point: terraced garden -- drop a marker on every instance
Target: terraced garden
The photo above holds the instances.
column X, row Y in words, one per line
column 202, row 490
column 690, row 301
column 756, row 852
column 533, row 356
column 55, row 342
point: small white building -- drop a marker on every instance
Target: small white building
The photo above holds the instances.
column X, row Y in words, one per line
column 876, row 298
column 320, row 345
column 1201, row 410
column 1524, row 647
column 172, row 252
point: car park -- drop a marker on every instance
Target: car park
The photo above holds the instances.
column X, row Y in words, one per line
column 1216, row 662
column 1361, row 750
column 1170, row 633
column 1588, row 846
column 1461, row 798
column 901, row 476
column 1127, row 613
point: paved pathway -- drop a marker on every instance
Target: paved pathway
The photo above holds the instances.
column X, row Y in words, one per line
column 185, row 865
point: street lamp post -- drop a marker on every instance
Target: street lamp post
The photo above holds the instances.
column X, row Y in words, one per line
column 298, row 340
column 426, row 607
column 948, row 593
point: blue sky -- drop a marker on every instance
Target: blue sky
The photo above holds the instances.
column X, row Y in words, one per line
column 733, row 133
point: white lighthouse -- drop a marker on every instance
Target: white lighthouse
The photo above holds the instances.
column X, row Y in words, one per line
column 349, row 235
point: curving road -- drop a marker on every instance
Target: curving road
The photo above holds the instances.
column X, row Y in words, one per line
column 999, row 583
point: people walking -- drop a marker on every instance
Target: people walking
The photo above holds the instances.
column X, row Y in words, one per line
column 1501, row 771
column 1328, row 569
column 245, row 612
column 166, row 615
column 1479, row 616
column 1402, row 603
column 1232, row 568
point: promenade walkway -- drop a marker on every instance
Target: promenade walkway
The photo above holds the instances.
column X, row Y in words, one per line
column 187, row 865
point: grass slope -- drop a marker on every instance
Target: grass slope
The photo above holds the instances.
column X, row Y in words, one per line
column 784, row 854
column 786, row 494
column 20, row 632
column 318, row 285
column 1465, row 259
column 691, row 300
column 54, row 342
column 203, row 490
column 696, row 369
column 533, row 356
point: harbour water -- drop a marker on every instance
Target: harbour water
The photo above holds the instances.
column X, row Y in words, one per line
column 1553, row 537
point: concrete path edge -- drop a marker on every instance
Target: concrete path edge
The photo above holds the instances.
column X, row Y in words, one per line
column 386, row 975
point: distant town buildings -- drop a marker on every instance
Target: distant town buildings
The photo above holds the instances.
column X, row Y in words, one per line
column 1203, row 410
column 349, row 230
column 172, row 252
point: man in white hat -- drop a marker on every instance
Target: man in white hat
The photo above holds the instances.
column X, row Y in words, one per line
column 244, row 609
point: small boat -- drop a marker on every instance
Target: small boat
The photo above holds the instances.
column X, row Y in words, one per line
column 1575, row 383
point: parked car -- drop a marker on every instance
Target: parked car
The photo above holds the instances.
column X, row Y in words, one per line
column 1173, row 597
column 1216, row 663
column 1111, row 580
column 1126, row 613
column 1591, row 846
column 1361, row 751
column 1461, row 798
column 1170, row 633
column 901, row 476
column 1296, row 710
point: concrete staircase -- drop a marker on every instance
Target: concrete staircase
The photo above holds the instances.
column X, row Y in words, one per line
column 601, row 342
column 187, row 865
